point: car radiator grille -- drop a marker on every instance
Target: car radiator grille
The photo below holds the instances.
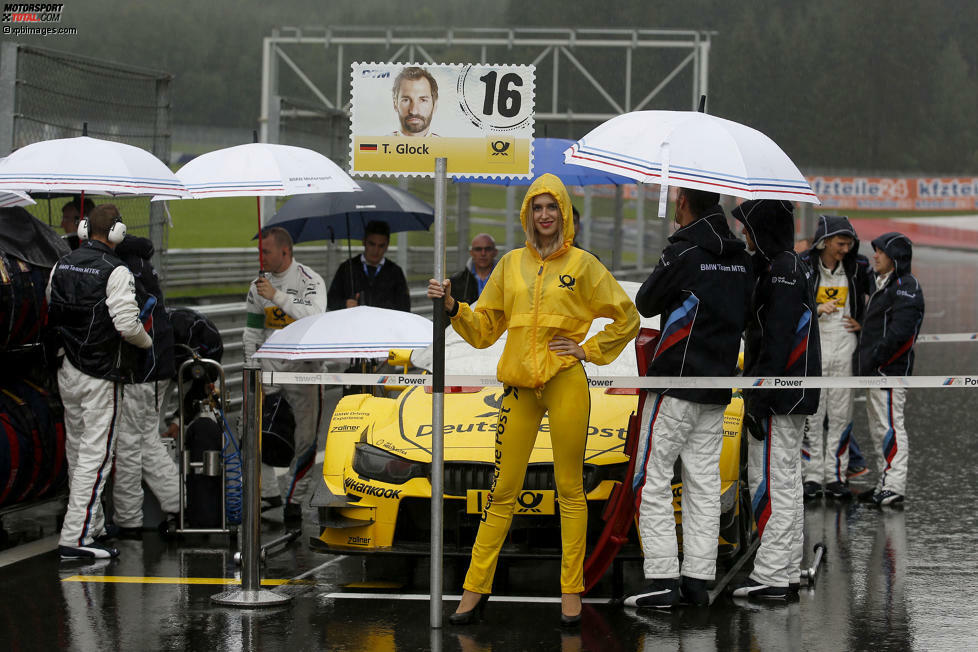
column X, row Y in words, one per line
column 462, row 476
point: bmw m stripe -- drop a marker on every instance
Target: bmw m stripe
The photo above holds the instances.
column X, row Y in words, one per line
column 800, row 345
column 678, row 325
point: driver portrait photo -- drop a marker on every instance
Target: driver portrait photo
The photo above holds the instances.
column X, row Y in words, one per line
column 415, row 93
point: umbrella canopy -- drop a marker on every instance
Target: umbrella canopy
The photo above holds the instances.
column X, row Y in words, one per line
column 360, row 332
column 548, row 156
column 88, row 165
column 344, row 215
column 692, row 150
column 263, row 170
column 11, row 199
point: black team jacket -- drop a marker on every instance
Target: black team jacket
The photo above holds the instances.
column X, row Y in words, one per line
column 781, row 337
column 893, row 315
column 384, row 288
column 700, row 288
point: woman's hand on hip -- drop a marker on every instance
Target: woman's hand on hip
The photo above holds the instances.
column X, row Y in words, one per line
column 563, row 346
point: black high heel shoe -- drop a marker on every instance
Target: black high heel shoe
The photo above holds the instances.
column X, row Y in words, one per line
column 466, row 617
column 571, row 621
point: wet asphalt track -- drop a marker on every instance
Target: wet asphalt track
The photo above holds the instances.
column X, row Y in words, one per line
column 893, row 579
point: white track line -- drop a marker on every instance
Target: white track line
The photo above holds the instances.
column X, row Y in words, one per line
column 425, row 597
column 28, row 550
column 318, row 568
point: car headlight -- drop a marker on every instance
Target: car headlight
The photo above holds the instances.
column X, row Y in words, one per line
column 377, row 464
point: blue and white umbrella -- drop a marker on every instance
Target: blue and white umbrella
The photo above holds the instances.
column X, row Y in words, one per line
column 695, row 150
column 360, row 332
column 263, row 170
column 88, row 165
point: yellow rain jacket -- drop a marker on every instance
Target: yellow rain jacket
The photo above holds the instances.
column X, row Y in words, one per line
column 538, row 299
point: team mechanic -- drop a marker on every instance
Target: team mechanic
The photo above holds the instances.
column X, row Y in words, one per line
column 781, row 339
column 701, row 287
column 290, row 292
column 842, row 282
column 893, row 319
column 546, row 295
column 92, row 307
column 140, row 454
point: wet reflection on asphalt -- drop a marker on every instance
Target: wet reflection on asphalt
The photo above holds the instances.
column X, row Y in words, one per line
column 892, row 578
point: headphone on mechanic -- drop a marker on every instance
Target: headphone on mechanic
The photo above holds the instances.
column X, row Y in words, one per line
column 117, row 232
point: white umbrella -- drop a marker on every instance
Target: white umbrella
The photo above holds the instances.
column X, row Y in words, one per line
column 692, row 150
column 263, row 170
column 359, row 332
column 10, row 199
column 88, row 165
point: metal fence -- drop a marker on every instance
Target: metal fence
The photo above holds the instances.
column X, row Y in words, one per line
column 46, row 94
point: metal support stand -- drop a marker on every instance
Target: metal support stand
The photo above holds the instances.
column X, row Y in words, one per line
column 251, row 594
column 278, row 542
column 809, row 574
column 438, row 400
column 722, row 583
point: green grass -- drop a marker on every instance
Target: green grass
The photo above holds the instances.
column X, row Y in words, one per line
column 232, row 222
column 238, row 291
column 217, row 222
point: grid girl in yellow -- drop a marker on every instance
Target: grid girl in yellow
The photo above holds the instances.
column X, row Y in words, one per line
column 545, row 295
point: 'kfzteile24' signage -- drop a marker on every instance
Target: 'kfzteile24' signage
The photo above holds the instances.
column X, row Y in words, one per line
column 897, row 193
column 405, row 115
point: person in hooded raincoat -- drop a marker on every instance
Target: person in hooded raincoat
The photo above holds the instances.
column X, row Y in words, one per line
column 701, row 289
column 842, row 283
column 890, row 328
column 545, row 296
column 781, row 339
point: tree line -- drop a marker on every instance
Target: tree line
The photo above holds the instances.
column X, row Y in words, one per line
column 875, row 85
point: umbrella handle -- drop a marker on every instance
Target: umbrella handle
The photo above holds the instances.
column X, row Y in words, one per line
column 261, row 255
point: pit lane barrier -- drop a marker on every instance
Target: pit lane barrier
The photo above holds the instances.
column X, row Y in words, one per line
column 634, row 382
column 252, row 595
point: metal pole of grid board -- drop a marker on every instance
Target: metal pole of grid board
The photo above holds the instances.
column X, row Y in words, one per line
column 438, row 398
column 251, row 594
column 8, row 95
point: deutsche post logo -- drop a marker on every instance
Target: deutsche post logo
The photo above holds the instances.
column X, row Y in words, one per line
column 500, row 149
column 567, row 281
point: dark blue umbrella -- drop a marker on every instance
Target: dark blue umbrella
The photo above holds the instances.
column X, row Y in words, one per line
column 548, row 156
column 344, row 215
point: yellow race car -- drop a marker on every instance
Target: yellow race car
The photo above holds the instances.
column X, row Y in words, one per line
column 376, row 492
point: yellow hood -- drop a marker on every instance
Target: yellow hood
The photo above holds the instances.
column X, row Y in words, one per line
column 544, row 184
column 536, row 300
